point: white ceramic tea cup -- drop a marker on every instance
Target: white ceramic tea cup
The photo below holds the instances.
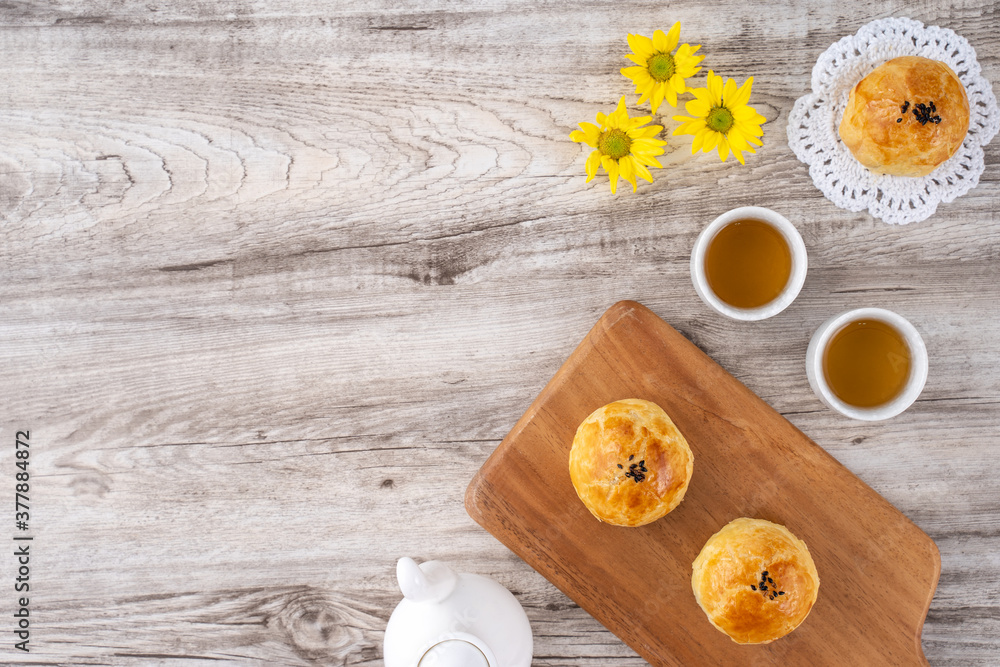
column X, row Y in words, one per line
column 918, row 364
column 795, row 280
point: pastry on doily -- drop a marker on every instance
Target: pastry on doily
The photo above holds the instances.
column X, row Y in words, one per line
column 816, row 116
column 908, row 116
column 755, row 581
column 629, row 464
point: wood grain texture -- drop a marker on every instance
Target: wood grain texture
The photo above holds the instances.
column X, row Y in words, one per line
column 277, row 278
column 879, row 570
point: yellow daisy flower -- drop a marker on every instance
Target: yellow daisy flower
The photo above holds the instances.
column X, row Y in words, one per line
column 623, row 146
column 722, row 118
column 659, row 74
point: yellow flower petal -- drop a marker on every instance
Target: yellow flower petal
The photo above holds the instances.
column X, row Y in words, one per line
column 743, row 94
column 636, row 122
column 589, row 135
column 611, row 166
column 688, row 70
column 669, row 94
column 657, row 100
column 711, row 141
column 620, row 111
column 686, row 62
column 627, row 170
column 736, row 141
column 729, row 93
column 686, row 58
column 636, row 73
column 641, row 132
column 660, row 41
column 642, row 172
column 703, row 95
column 593, row 162
column 698, row 108
column 749, row 128
column 699, row 141
column 673, row 36
column 641, row 142
column 648, row 146
column 693, row 126
column 715, row 88
column 723, row 149
column 643, row 158
column 740, row 140
column 638, row 60
column 641, row 46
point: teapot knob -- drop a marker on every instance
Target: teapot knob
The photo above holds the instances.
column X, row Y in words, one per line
column 432, row 581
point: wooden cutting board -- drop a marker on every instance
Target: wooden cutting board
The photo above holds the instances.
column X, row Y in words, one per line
column 878, row 571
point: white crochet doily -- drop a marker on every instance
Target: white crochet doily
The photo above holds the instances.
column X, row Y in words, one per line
column 815, row 118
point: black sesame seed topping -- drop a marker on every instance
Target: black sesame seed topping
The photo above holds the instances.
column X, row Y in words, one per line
column 769, row 592
column 620, row 465
column 635, row 472
column 631, row 456
column 925, row 113
column 899, row 120
column 905, row 106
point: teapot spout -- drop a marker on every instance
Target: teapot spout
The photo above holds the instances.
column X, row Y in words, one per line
column 432, row 581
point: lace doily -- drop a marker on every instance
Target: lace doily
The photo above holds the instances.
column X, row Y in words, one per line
column 813, row 123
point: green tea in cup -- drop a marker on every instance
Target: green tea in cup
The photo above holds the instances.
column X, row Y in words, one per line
column 748, row 263
column 867, row 363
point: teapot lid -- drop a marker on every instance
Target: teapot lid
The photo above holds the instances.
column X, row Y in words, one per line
column 454, row 653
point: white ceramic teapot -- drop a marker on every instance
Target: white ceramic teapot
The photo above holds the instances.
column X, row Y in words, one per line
column 454, row 620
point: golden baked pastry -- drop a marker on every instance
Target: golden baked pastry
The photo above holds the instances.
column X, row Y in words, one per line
column 755, row 581
column 629, row 463
column 906, row 117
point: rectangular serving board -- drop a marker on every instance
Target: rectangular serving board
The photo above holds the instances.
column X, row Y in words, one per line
column 878, row 571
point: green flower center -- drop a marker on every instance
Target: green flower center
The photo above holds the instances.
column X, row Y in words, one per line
column 661, row 66
column 614, row 143
column 719, row 119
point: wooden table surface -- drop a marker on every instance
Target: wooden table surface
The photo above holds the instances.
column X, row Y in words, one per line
column 277, row 277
